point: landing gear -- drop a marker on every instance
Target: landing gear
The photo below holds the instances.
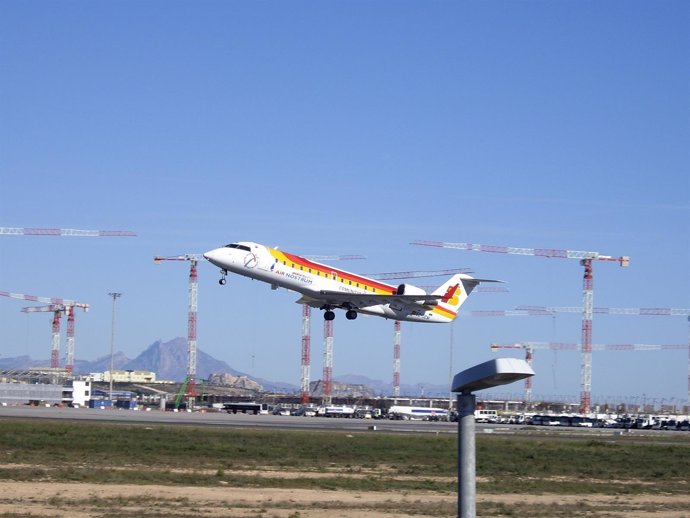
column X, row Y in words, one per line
column 351, row 314
column 329, row 315
column 223, row 275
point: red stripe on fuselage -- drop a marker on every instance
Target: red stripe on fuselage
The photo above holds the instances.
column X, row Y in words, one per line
column 327, row 270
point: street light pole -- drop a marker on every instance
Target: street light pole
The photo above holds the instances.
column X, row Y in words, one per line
column 486, row 375
column 467, row 461
column 115, row 296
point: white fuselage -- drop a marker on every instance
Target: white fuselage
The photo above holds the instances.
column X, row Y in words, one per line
column 312, row 279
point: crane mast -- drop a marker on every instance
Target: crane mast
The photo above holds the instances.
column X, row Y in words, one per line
column 587, row 305
column 193, row 295
column 191, row 327
column 396, row 359
column 327, row 361
column 305, row 358
column 306, row 353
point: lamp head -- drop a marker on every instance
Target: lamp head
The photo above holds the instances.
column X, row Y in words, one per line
column 493, row 373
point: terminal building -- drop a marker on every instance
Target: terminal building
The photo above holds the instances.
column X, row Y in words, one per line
column 124, row 376
column 72, row 392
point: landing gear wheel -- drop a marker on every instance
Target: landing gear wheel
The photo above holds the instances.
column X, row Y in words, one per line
column 329, row 315
column 351, row 314
column 222, row 281
column 223, row 275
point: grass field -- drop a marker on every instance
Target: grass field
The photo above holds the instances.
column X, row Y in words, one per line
column 508, row 469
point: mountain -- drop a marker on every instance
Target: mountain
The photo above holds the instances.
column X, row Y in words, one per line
column 386, row 388
column 169, row 361
column 22, row 362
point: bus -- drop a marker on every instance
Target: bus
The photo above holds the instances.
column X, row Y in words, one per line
column 246, row 408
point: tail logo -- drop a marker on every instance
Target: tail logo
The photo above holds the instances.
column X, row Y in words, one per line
column 452, row 295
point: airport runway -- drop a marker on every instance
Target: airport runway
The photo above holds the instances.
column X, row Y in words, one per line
column 222, row 419
column 225, row 419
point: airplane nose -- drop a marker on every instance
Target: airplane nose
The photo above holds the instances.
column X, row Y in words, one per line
column 211, row 255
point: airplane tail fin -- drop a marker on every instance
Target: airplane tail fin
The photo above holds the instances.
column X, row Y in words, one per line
column 455, row 292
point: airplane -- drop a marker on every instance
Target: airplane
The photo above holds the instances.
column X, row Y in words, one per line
column 328, row 288
column 417, row 412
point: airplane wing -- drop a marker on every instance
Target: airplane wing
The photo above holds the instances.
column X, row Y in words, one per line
column 362, row 300
column 413, row 301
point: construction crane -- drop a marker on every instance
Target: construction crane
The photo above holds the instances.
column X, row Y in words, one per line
column 491, row 289
column 529, row 348
column 585, row 259
column 530, row 311
column 413, row 275
column 334, row 257
column 57, row 306
column 478, row 289
column 72, row 232
column 553, row 310
column 57, row 311
column 188, row 387
column 548, row 310
column 507, row 313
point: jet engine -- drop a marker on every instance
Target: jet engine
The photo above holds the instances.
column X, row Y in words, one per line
column 409, row 289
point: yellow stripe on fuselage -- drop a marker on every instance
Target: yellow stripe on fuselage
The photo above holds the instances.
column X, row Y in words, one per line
column 328, row 272
column 444, row 312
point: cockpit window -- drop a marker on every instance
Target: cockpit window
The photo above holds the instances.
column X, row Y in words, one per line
column 241, row 247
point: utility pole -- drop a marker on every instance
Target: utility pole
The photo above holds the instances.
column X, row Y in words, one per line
column 115, row 296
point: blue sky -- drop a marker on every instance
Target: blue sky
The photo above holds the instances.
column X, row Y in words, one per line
column 351, row 128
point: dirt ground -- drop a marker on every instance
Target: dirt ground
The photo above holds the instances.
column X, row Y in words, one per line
column 78, row 500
